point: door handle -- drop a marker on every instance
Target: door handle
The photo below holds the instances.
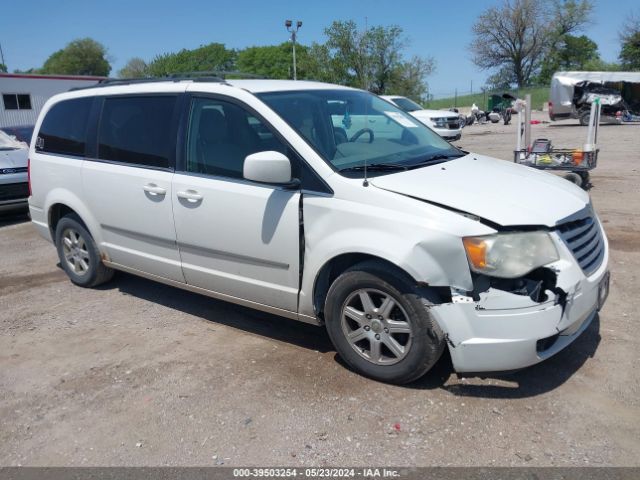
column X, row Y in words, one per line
column 190, row 195
column 154, row 189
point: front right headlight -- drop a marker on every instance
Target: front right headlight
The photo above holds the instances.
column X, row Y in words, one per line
column 510, row 255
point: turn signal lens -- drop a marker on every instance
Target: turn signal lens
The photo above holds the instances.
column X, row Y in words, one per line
column 476, row 251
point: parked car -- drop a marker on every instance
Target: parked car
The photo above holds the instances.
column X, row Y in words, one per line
column 445, row 123
column 22, row 133
column 14, row 188
column 323, row 204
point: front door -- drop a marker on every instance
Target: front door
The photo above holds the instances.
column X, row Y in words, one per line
column 235, row 237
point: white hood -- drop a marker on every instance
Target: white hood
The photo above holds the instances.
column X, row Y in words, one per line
column 433, row 114
column 501, row 192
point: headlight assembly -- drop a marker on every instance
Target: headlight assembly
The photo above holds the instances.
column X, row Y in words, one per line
column 510, row 255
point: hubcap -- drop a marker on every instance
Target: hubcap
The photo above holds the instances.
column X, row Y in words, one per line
column 75, row 251
column 376, row 326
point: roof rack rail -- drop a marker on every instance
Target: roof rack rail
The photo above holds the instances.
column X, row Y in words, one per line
column 208, row 76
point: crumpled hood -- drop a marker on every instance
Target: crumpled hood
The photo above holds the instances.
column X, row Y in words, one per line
column 496, row 190
column 14, row 158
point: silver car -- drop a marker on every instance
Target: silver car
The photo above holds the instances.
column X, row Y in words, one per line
column 14, row 189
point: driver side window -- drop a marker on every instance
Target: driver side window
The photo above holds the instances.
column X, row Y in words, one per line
column 221, row 134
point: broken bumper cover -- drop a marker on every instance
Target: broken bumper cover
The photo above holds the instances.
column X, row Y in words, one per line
column 484, row 338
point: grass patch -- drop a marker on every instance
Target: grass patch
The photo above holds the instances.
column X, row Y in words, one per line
column 539, row 95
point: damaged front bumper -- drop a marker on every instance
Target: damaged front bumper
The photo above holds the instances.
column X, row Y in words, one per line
column 504, row 331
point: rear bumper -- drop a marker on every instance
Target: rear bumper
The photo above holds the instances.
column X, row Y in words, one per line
column 504, row 331
column 14, row 192
column 13, row 205
column 39, row 220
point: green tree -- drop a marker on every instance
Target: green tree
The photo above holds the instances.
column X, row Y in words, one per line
column 599, row 65
column 517, row 35
column 320, row 65
column 134, row 68
column 630, row 51
column 214, row 57
column 371, row 59
column 409, row 78
column 84, row 56
column 3, row 68
column 274, row 61
column 571, row 53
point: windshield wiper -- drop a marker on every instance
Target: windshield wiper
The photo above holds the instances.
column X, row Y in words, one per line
column 438, row 158
column 376, row 167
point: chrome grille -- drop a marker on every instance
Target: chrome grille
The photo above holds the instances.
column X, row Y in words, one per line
column 584, row 239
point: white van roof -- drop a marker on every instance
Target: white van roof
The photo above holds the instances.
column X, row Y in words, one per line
column 562, row 83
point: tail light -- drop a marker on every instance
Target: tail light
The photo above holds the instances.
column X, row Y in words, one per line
column 550, row 108
column 29, row 174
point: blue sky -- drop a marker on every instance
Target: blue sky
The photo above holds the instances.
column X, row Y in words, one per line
column 30, row 30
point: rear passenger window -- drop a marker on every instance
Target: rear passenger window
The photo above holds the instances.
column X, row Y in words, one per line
column 137, row 130
column 64, row 128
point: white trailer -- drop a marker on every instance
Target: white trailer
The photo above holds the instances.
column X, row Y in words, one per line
column 24, row 95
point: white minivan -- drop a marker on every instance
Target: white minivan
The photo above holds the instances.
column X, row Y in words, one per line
column 324, row 204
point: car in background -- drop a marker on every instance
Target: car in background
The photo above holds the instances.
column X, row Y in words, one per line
column 445, row 123
column 14, row 188
column 22, row 133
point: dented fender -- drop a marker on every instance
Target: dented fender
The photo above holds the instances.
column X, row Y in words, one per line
column 415, row 236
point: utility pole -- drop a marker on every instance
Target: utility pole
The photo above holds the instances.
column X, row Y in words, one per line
column 294, row 33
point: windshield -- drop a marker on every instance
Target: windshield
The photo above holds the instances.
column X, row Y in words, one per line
column 406, row 104
column 349, row 128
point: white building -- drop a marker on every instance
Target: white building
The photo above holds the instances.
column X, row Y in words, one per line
column 23, row 96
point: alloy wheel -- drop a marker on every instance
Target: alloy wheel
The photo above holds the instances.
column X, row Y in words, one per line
column 376, row 326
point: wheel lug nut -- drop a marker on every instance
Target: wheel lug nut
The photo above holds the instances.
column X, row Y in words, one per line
column 367, row 328
column 379, row 317
column 377, row 336
column 386, row 330
column 368, row 316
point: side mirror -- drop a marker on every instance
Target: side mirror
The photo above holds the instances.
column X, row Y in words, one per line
column 269, row 167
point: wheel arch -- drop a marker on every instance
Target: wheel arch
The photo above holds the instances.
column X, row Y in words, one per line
column 61, row 202
column 337, row 265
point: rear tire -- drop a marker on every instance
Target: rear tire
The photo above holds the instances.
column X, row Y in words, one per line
column 78, row 253
column 397, row 341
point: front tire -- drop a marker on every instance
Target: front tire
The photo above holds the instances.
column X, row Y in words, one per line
column 378, row 321
column 78, row 253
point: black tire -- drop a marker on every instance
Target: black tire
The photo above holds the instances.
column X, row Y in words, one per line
column 96, row 272
column 584, row 118
column 427, row 339
column 574, row 178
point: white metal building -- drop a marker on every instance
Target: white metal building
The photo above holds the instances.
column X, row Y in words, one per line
column 23, row 96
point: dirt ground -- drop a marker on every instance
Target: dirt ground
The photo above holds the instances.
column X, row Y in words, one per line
column 137, row 373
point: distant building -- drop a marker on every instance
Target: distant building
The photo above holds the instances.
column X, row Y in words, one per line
column 23, row 96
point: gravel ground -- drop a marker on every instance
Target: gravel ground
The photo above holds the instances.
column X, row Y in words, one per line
column 137, row 373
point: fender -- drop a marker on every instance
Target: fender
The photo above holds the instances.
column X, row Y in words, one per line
column 71, row 200
column 421, row 248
